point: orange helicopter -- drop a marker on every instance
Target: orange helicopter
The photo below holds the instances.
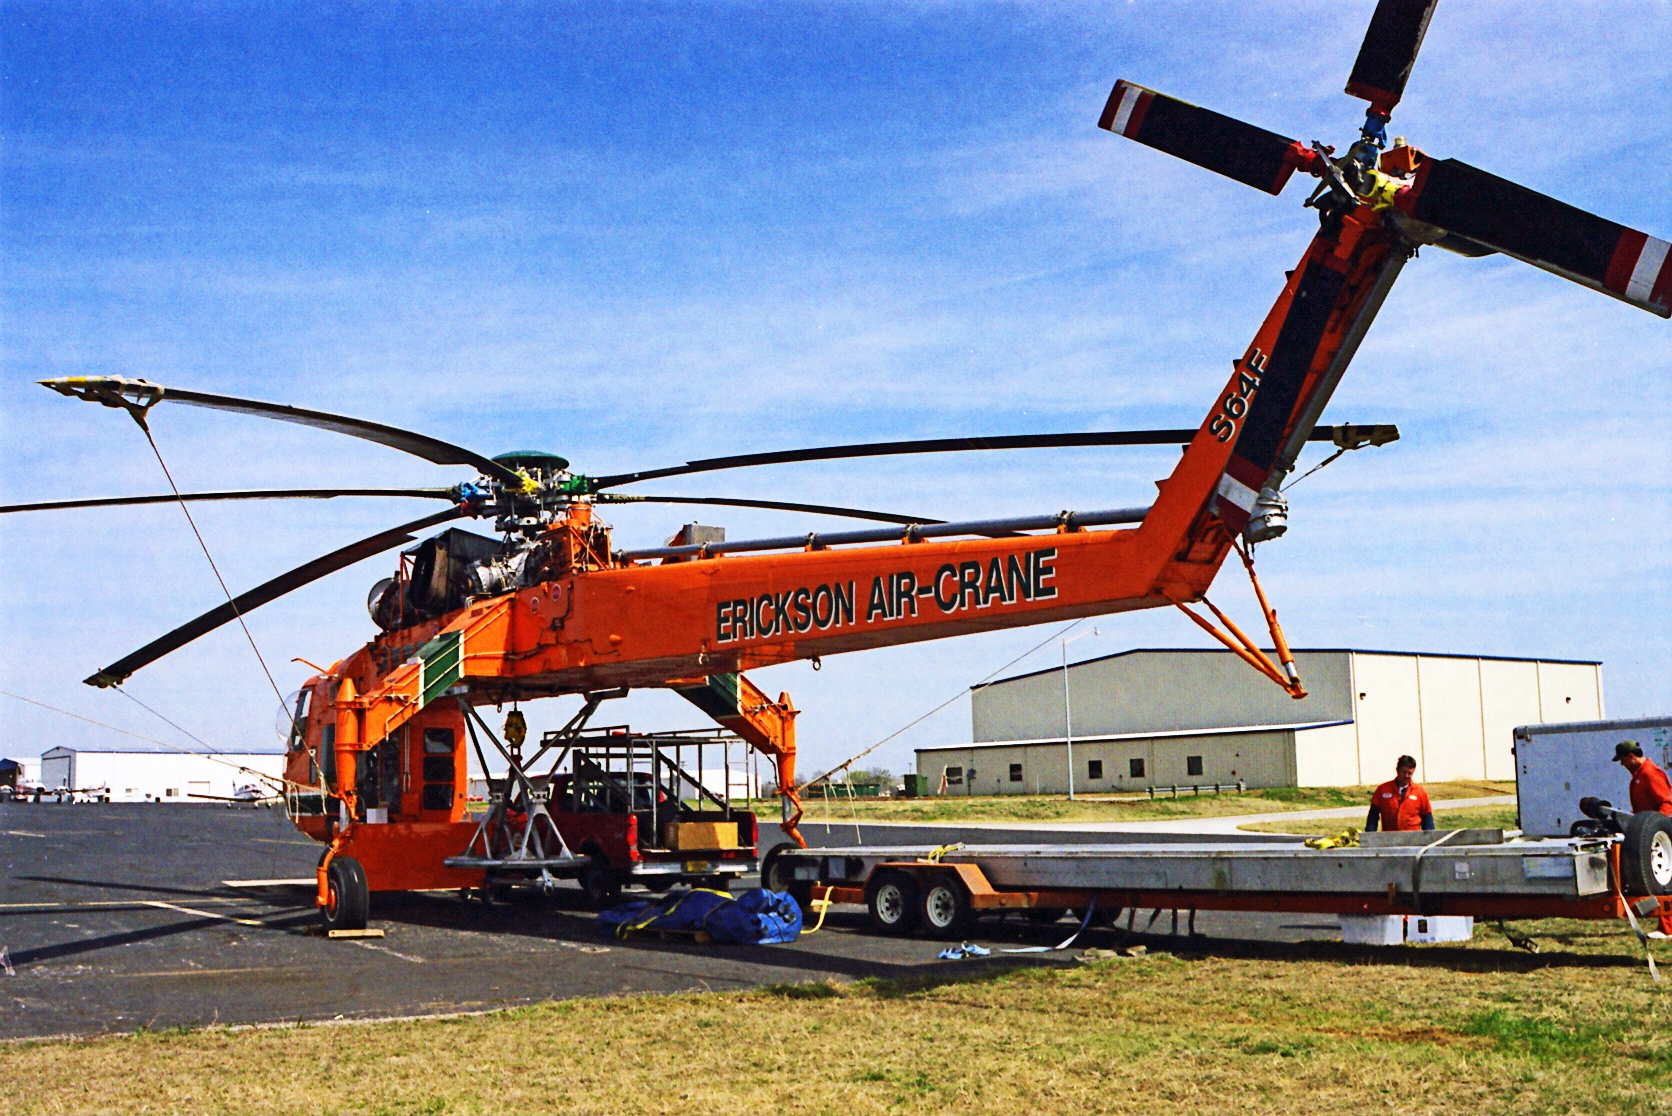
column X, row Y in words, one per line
column 550, row 608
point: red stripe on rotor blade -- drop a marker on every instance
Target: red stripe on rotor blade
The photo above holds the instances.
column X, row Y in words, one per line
column 1661, row 293
column 1618, row 275
column 1107, row 120
column 1138, row 110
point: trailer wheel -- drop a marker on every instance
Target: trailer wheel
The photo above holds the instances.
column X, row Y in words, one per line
column 891, row 901
column 945, row 908
column 347, row 898
column 602, row 886
column 1646, row 859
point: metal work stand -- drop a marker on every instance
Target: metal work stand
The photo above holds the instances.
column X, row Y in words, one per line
column 518, row 836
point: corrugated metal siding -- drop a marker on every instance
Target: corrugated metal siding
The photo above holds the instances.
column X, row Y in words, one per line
column 1389, row 714
column 1452, row 745
column 1159, row 691
column 1326, row 757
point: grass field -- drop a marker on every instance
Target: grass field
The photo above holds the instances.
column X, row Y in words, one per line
column 1304, row 1029
column 1473, row 817
column 1004, row 808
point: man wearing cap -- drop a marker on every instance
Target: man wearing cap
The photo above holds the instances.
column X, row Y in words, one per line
column 1651, row 792
column 1400, row 805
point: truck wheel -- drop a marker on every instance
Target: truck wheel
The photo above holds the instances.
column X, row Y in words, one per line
column 775, row 876
column 891, row 901
column 348, row 900
column 602, row 886
column 945, row 908
column 1646, row 858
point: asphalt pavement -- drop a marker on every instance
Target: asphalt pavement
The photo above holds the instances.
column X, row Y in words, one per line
column 121, row 916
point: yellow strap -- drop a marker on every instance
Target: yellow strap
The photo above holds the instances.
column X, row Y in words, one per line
column 823, row 906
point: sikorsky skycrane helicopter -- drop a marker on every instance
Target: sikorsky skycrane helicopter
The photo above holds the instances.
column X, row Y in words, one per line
column 550, row 608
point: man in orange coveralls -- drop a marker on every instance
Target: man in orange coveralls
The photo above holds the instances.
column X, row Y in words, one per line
column 1651, row 792
column 1400, row 804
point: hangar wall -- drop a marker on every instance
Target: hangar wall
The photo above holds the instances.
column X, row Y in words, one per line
column 1454, row 714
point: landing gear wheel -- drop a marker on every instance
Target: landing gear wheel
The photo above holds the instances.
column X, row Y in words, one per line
column 602, row 886
column 945, row 909
column 348, row 900
column 1646, row 858
column 891, row 902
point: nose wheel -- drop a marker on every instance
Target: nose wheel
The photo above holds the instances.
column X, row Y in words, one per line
column 347, row 898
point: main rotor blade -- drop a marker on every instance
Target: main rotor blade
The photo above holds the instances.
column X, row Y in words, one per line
column 1222, row 144
column 137, row 396
column 1594, row 251
column 1389, row 51
column 770, row 505
column 117, row 673
column 253, row 494
column 923, row 445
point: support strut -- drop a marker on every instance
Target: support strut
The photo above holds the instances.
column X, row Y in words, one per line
column 1234, row 638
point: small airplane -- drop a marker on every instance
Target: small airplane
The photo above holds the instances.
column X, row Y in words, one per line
column 249, row 794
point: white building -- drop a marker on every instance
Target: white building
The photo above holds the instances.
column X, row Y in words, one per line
column 1156, row 717
column 141, row 773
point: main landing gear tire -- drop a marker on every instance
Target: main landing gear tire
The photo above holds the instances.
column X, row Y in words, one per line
column 1646, row 858
column 944, row 909
column 891, row 902
column 348, row 900
column 602, row 886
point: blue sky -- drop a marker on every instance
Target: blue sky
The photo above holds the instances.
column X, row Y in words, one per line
column 636, row 234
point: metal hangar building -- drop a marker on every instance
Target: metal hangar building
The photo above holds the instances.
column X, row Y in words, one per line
column 137, row 772
column 1159, row 717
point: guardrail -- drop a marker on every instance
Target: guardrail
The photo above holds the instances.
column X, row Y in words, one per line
column 1197, row 788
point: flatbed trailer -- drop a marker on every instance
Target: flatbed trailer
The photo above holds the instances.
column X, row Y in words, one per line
column 942, row 890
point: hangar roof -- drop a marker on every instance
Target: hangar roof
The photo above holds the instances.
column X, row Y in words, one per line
column 1295, row 650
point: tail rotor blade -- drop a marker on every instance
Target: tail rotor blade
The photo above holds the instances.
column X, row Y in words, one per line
column 119, row 671
column 1222, row 144
column 1389, row 51
column 1594, row 251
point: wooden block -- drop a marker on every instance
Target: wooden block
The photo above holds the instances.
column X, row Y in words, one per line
column 354, row 933
column 700, row 836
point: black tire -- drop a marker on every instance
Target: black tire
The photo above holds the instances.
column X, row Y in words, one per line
column 944, row 909
column 601, row 884
column 348, row 899
column 1646, row 858
column 891, row 902
column 775, row 876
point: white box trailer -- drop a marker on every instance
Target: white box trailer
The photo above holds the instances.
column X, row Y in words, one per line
column 1558, row 764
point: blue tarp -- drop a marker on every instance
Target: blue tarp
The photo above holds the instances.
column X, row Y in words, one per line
column 756, row 917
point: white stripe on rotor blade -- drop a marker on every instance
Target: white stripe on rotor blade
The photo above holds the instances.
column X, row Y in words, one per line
column 1237, row 492
column 1648, row 267
column 1123, row 111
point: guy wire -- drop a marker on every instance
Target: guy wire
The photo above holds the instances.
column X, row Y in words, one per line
column 855, row 759
column 235, row 610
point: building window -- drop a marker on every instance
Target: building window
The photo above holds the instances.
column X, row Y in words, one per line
column 1094, row 769
column 1135, row 768
column 954, row 776
column 1192, row 765
column 1015, row 773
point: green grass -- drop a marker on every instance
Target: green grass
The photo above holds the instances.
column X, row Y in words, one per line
column 1473, row 817
column 1263, row 1031
column 1111, row 808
